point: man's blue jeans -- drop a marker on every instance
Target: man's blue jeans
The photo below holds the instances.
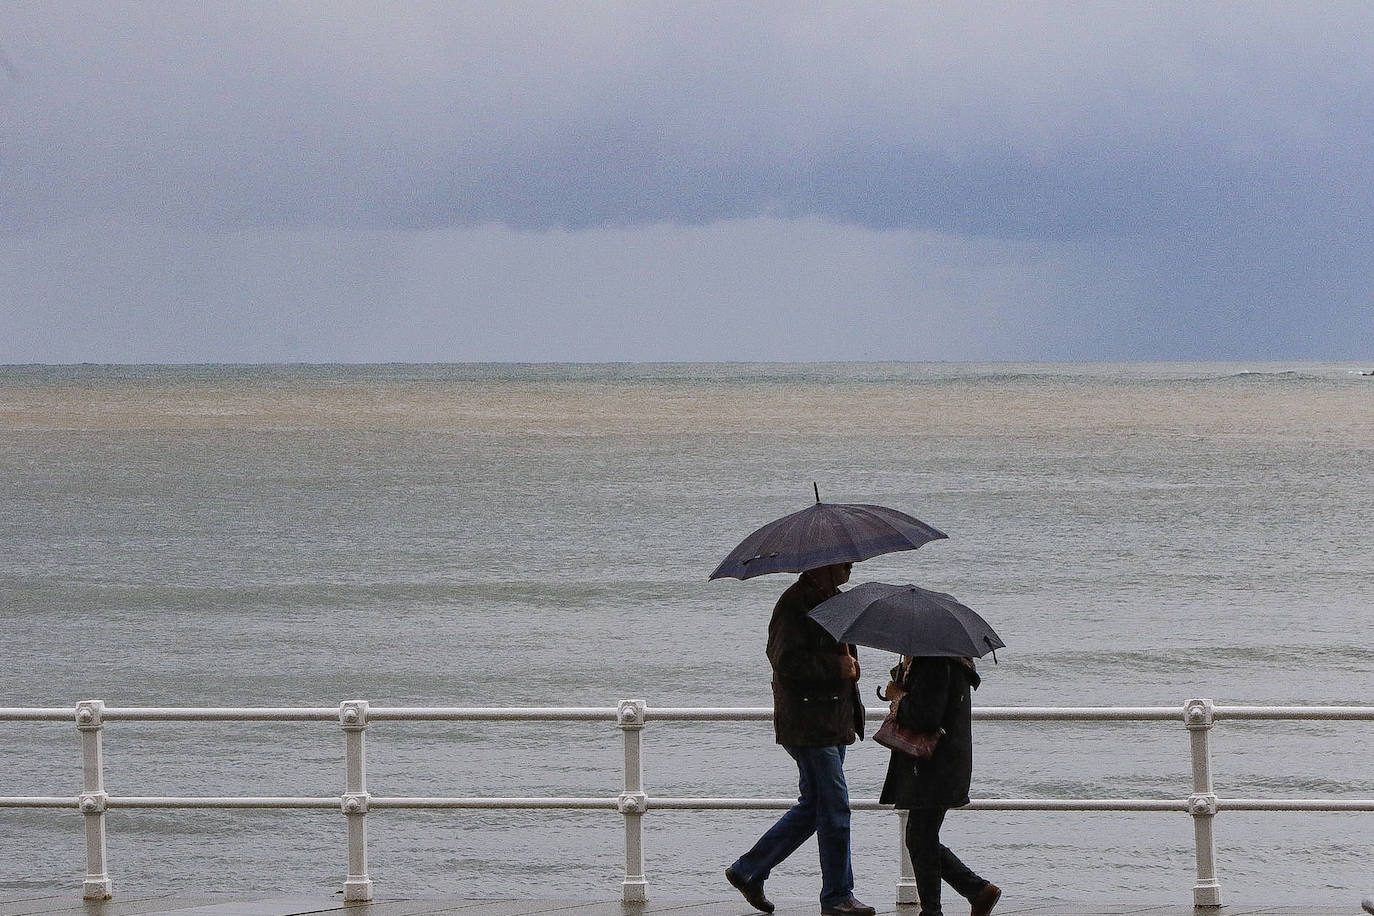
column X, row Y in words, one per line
column 822, row 808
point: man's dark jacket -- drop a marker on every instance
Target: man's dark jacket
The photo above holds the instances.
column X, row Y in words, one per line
column 939, row 695
column 814, row 704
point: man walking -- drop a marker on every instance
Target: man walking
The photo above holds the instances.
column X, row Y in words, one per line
column 817, row 713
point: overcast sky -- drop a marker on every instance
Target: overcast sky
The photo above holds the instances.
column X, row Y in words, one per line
column 403, row 181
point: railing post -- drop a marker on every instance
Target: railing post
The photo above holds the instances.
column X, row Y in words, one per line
column 633, row 802
column 1202, row 804
column 92, row 802
column 353, row 718
column 906, row 881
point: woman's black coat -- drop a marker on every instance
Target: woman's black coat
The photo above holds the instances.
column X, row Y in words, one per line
column 939, row 695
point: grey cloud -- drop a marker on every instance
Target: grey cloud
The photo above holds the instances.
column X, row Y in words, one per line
column 997, row 119
column 1112, row 180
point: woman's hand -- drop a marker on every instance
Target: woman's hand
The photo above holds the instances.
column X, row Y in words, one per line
column 894, row 692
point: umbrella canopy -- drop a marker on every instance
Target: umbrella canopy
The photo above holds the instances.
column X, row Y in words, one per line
column 906, row 619
column 823, row 534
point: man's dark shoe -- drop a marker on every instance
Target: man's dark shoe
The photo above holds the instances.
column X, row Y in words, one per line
column 752, row 892
column 985, row 900
column 850, row 907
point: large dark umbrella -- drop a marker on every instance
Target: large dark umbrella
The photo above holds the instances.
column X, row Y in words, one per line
column 823, row 534
column 906, row 619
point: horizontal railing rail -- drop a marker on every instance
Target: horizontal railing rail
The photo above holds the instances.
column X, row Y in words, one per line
column 632, row 802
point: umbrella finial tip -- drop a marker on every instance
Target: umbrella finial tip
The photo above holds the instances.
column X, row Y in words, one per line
column 818, row 492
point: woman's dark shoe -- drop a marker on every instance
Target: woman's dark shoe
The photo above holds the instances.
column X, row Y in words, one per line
column 850, row 907
column 753, row 892
column 985, row 900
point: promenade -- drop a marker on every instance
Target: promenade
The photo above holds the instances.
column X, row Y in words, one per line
column 66, row 905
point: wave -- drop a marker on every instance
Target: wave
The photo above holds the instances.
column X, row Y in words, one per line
column 1188, row 658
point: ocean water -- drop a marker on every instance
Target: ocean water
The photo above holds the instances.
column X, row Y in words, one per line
column 503, row 535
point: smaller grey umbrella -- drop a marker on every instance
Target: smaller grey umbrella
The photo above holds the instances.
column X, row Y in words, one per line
column 906, row 619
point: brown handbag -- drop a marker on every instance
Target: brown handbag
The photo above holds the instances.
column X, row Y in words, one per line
column 893, row 734
column 898, row 737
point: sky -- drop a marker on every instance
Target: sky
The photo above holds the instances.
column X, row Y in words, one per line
column 586, row 181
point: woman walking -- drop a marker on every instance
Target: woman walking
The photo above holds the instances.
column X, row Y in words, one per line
column 932, row 694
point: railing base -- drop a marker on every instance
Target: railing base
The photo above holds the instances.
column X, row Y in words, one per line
column 97, row 889
column 634, row 890
column 1207, row 894
column 906, row 893
column 357, row 890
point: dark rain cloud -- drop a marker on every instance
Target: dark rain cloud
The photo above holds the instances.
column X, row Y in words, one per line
column 1228, row 146
column 1042, row 120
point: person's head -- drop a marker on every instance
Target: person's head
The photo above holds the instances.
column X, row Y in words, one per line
column 832, row 576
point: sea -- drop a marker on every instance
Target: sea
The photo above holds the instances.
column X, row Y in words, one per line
column 1139, row 534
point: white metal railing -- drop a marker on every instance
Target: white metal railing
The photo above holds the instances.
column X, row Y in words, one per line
column 630, row 717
